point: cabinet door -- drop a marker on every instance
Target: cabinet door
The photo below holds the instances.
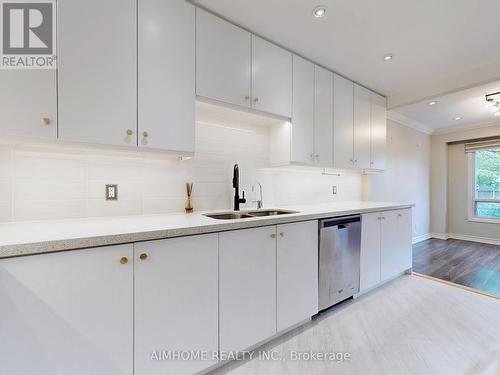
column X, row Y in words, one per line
column 378, row 132
column 271, row 78
column 166, row 75
column 297, row 277
column 247, row 287
column 303, row 111
column 28, row 100
column 396, row 254
column 343, row 126
column 222, row 60
column 175, row 302
column 362, row 127
column 98, row 71
column 71, row 311
column 370, row 251
column 323, row 117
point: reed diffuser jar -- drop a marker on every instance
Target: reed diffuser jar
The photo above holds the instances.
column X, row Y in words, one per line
column 189, row 200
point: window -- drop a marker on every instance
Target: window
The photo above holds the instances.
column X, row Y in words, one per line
column 486, row 184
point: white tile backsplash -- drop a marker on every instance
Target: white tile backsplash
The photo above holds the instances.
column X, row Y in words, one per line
column 40, row 182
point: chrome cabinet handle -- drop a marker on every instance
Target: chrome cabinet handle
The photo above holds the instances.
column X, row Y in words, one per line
column 123, row 260
column 143, row 256
column 145, row 134
column 130, row 132
column 45, row 121
column 273, row 235
column 282, row 234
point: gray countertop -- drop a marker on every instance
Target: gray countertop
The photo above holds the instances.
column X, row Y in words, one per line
column 26, row 238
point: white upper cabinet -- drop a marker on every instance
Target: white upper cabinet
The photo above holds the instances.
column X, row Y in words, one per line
column 309, row 139
column 343, row 122
column 359, row 139
column 97, row 71
column 271, row 78
column 302, row 133
column 297, row 273
column 166, row 75
column 72, row 311
column 176, row 303
column 362, row 127
column 323, row 117
column 378, row 131
column 28, row 103
column 247, row 287
column 223, row 55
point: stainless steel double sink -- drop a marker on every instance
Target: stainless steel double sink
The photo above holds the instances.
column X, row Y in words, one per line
column 248, row 214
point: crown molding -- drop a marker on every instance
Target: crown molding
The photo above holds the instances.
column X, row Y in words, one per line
column 409, row 122
column 461, row 128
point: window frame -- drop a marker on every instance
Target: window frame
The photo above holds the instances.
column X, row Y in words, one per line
column 472, row 200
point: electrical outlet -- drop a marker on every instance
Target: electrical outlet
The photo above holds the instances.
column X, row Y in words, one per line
column 334, row 189
column 111, row 192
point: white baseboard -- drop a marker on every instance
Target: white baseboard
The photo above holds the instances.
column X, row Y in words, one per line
column 421, row 238
column 440, row 236
column 464, row 237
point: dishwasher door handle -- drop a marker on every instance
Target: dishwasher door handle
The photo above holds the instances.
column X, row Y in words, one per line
column 336, row 221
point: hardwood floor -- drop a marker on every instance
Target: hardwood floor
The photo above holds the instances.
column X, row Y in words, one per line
column 466, row 263
column 410, row 326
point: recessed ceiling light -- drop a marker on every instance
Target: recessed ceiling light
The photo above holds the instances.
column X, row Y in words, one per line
column 458, row 118
column 319, row 11
column 388, row 57
column 432, row 103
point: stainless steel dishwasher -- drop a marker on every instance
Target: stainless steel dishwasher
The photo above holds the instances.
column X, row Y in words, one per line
column 339, row 259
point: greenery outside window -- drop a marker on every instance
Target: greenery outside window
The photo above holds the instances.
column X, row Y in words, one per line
column 485, row 203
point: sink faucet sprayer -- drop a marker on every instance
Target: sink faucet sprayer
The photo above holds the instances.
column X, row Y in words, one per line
column 259, row 201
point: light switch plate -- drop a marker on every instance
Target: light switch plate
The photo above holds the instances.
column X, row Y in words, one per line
column 111, row 193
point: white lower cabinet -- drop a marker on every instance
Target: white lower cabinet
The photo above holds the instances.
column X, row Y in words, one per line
column 297, row 273
column 121, row 309
column 369, row 274
column 386, row 246
column 67, row 313
column 175, row 303
column 247, row 287
column 396, row 248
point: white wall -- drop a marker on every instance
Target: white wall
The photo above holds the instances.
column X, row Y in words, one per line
column 407, row 178
column 439, row 173
column 40, row 182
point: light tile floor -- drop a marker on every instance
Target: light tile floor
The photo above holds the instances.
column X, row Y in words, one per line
column 409, row 326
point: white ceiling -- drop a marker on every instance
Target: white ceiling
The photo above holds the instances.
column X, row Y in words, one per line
column 468, row 104
column 432, row 40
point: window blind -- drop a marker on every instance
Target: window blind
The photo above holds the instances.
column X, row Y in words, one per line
column 483, row 145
